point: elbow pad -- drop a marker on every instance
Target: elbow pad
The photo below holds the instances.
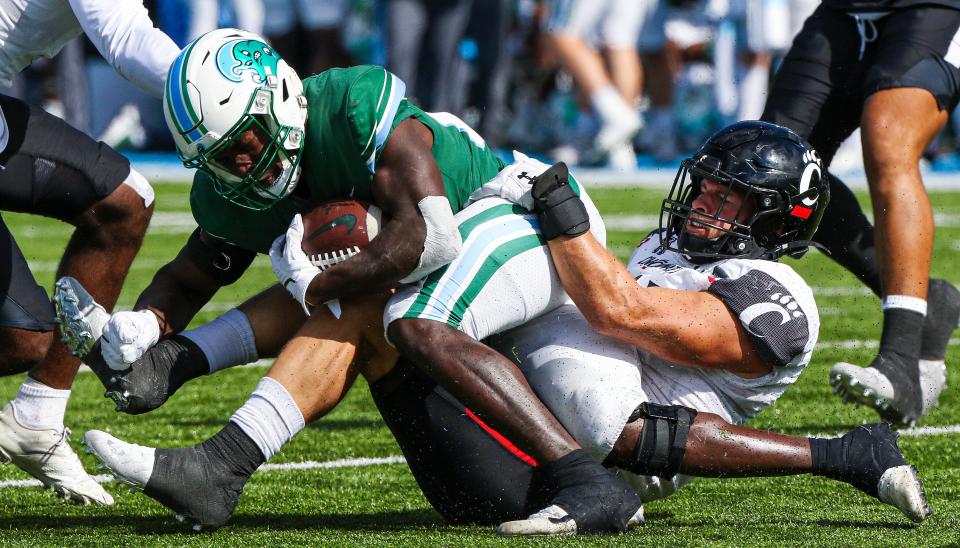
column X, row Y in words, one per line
column 442, row 243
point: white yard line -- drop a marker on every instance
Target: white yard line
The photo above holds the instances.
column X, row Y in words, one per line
column 362, row 462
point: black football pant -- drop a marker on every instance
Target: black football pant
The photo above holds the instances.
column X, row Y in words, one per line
column 820, row 89
column 466, row 470
column 47, row 168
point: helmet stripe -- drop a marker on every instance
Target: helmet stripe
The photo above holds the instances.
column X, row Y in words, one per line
column 183, row 112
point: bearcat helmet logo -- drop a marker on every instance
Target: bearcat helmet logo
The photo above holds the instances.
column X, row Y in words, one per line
column 238, row 57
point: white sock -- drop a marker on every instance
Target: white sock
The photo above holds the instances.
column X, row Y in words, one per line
column 907, row 302
column 753, row 92
column 40, row 407
column 226, row 341
column 611, row 107
column 270, row 417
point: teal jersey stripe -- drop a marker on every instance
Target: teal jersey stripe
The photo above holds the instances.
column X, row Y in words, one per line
column 468, row 225
column 495, row 260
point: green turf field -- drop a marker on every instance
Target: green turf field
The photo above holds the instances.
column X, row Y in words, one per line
column 381, row 505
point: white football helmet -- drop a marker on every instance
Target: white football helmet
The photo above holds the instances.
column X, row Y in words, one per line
column 224, row 87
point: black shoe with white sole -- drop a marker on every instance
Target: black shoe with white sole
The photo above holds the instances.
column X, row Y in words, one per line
column 588, row 499
column 868, row 458
column 202, row 484
column 903, row 390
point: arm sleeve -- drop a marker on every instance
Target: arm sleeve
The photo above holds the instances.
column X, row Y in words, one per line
column 125, row 36
column 223, row 262
column 776, row 322
column 378, row 93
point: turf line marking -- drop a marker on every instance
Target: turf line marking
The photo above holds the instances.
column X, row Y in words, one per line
column 362, row 462
column 359, row 462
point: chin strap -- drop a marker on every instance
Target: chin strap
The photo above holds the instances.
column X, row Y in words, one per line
column 794, row 246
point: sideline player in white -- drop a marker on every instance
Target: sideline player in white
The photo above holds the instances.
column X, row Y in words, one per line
column 613, row 82
column 51, row 169
column 470, row 473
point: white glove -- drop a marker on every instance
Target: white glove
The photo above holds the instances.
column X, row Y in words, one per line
column 513, row 182
column 291, row 265
column 127, row 336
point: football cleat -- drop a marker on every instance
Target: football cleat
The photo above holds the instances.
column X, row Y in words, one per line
column 588, row 499
column 618, row 132
column 129, row 464
column 553, row 521
column 899, row 391
column 153, row 378
column 873, row 463
column 80, row 318
column 47, row 456
column 201, row 484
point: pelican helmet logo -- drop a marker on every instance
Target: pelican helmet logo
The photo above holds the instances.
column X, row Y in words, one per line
column 237, row 58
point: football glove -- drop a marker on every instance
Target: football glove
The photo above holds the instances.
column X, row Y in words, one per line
column 291, row 265
column 127, row 336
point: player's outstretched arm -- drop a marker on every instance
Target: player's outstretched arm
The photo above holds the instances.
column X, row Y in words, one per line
column 686, row 327
column 420, row 235
column 126, row 37
column 180, row 289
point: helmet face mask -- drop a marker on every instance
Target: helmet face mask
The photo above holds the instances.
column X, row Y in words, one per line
column 230, row 94
column 274, row 173
column 772, row 201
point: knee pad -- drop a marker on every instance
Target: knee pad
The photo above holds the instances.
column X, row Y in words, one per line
column 663, row 439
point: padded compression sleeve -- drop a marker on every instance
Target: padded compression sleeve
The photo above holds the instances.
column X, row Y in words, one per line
column 224, row 262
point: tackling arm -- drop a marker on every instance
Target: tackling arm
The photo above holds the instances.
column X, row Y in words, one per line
column 407, row 179
column 692, row 328
column 126, row 37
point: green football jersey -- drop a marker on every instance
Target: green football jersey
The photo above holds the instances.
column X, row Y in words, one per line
column 351, row 114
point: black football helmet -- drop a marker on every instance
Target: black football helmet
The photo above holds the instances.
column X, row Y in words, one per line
column 774, row 169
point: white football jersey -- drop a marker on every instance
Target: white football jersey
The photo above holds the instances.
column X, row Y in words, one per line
column 120, row 29
column 774, row 304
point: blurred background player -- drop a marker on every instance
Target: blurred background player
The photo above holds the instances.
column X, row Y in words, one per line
column 579, row 30
column 892, row 69
column 310, row 32
column 52, row 169
column 422, row 39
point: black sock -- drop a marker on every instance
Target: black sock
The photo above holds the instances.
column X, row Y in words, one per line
column 902, row 332
column 830, row 460
column 236, row 449
column 568, row 469
column 189, row 361
column 943, row 309
column 826, row 455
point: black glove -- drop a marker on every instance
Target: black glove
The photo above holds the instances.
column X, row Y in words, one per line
column 562, row 213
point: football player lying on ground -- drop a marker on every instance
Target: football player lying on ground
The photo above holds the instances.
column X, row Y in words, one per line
column 49, row 168
column 471, row 474
column 254, row 130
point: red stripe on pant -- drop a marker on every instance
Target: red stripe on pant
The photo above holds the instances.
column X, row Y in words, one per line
column 507, row 444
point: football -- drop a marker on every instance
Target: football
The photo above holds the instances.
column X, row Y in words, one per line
column 336, row 230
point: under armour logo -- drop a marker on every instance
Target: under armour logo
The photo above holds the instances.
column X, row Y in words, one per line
column 525, row 175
